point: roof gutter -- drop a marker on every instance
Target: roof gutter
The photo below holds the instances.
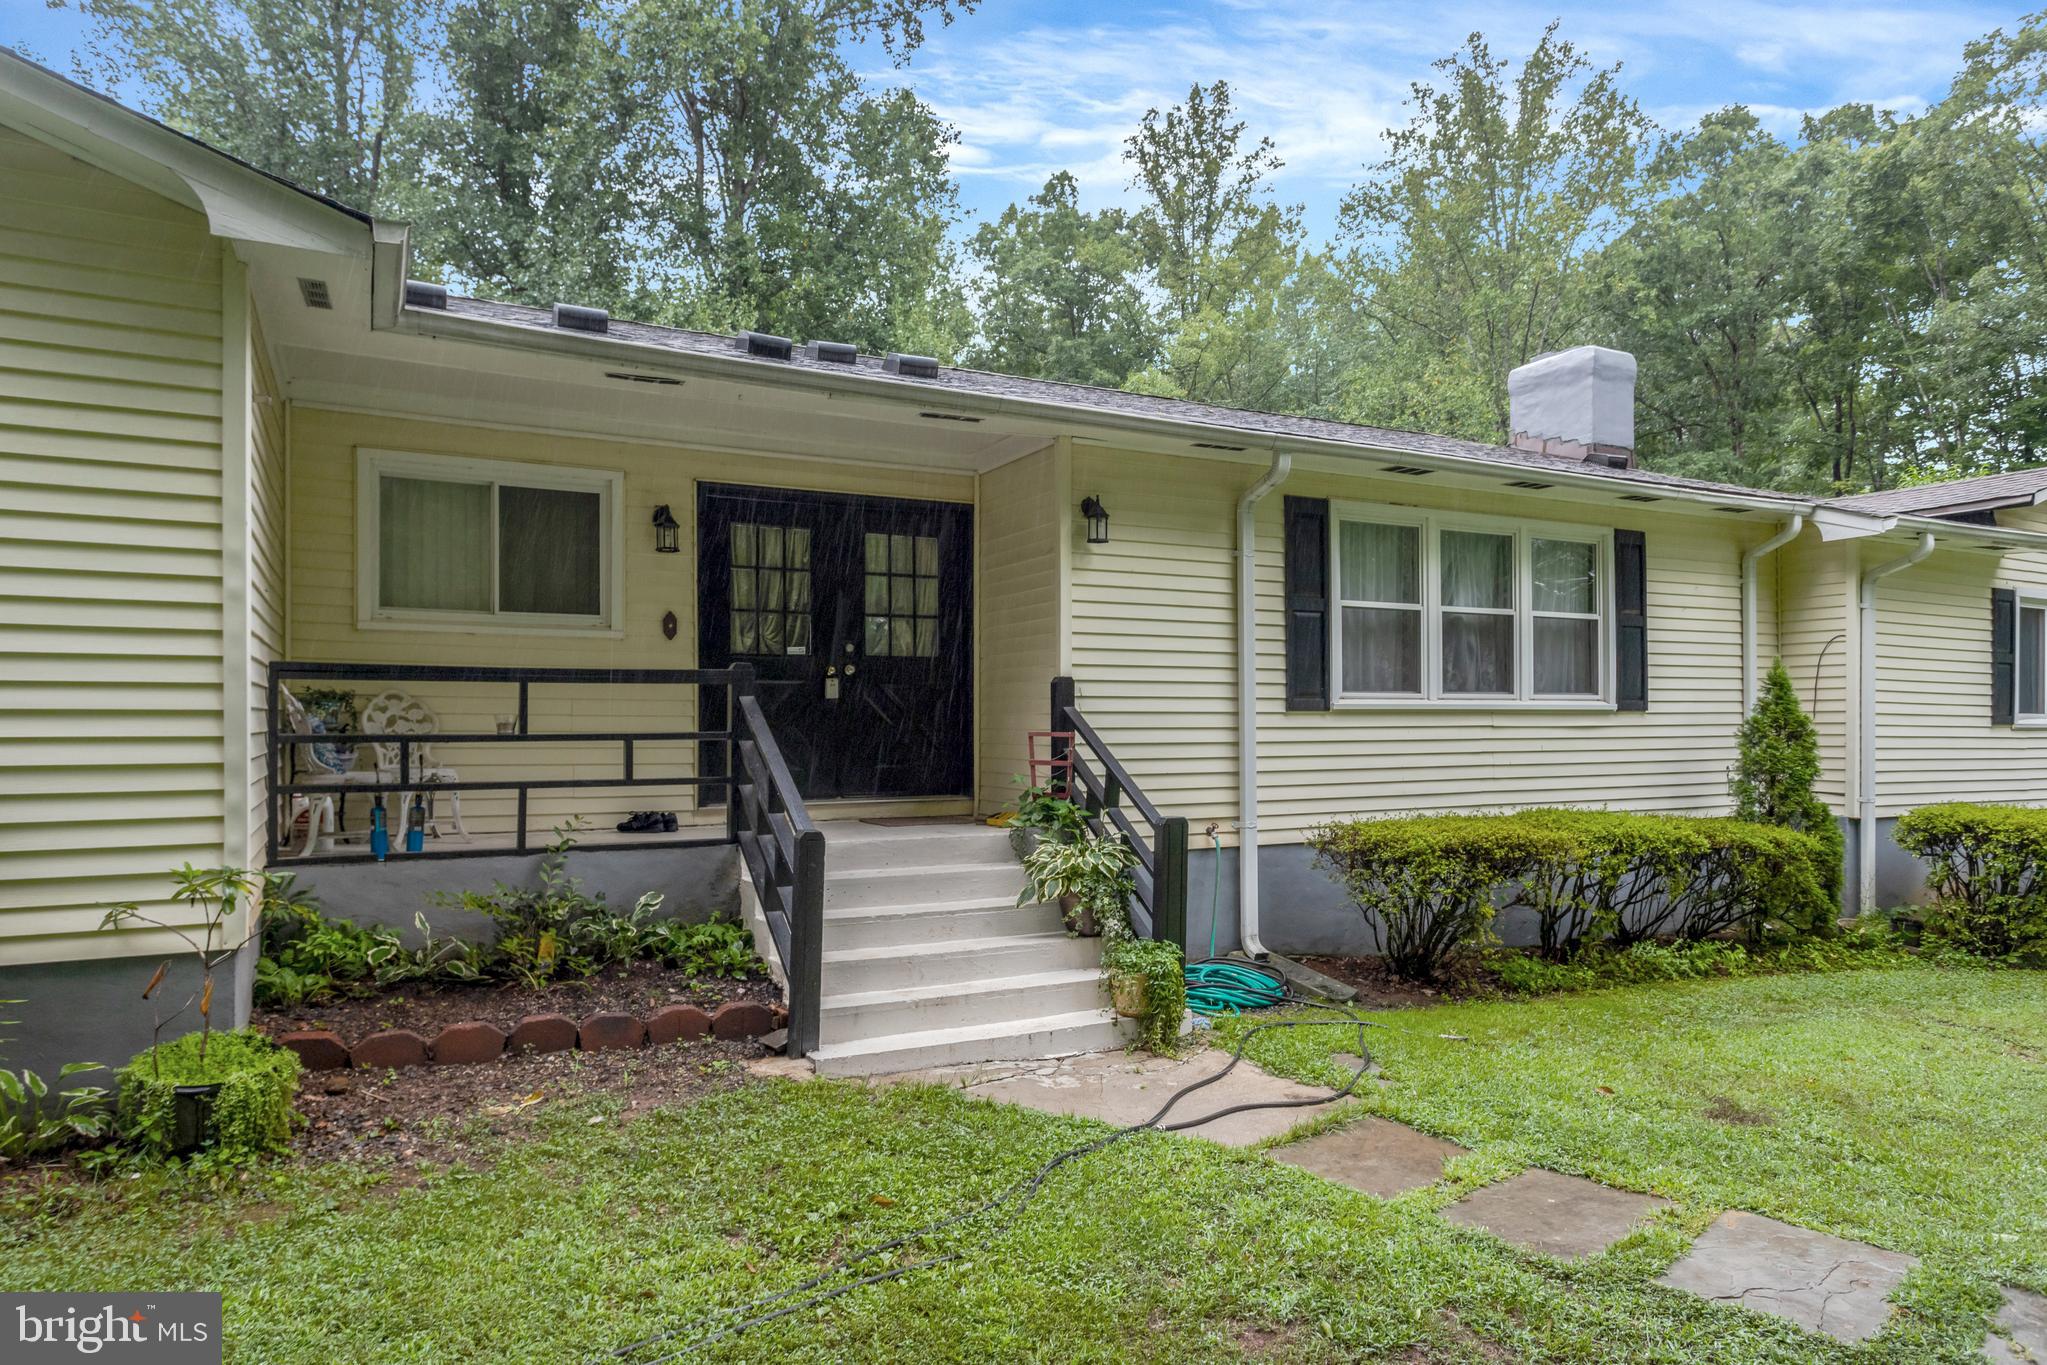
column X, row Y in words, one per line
column 1247, row 702
column 1749, row 560
column 1865, row 854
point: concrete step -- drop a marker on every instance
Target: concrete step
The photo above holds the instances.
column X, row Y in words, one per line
column 1049, row 1035
column 920, row 885
column 846, row 1016
column 955, row 961
column 917, row 847
column 885, row 926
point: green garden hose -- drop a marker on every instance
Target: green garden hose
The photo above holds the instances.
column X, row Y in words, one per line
column 1229, row 985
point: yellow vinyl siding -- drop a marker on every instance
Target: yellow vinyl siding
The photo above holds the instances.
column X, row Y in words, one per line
column 1020, row 544
column 1816, row 587
column 268, row 572
column 1935, row 740
column 110, row 551
column 1154, row 641
column 323, row 445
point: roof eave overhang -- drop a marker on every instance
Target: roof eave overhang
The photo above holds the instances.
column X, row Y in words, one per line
column 865, row 386
column 239, row 202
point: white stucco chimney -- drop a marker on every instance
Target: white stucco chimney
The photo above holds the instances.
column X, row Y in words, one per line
column 1579, row 404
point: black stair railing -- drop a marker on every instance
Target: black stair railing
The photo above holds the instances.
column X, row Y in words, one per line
column 1101, row 785
column 784, row 855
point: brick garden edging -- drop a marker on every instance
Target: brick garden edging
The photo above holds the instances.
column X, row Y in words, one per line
column 476, row 1041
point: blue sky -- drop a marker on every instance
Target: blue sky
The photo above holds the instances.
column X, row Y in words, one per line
column 1038, row 85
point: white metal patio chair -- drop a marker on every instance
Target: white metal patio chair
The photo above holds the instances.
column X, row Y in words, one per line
column 401, row 713
column 312, row 765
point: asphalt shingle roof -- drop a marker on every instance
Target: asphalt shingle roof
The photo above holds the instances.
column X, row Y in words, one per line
column 2014, row 485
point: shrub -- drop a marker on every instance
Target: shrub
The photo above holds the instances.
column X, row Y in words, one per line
column 1428, row 883
column 1777, row 761
column 252, row 1113
column 1763, row 880
column 546, row 933
column 717, row 947
column 1607, row 878
column 1987, row 868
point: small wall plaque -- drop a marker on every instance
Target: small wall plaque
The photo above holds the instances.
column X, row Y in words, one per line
column 668, row 625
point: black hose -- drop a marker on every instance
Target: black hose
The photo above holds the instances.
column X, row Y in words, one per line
column 1018, row 1195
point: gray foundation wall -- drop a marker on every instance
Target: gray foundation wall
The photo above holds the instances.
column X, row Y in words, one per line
column 93, row 1011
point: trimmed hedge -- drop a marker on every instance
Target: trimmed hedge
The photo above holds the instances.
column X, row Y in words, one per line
column 252, row 1113
column 1987, row 867
column 1434, row 884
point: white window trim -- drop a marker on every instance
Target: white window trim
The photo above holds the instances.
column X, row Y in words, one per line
column 372, row 464
column 1432, row 697
column 2022, row 600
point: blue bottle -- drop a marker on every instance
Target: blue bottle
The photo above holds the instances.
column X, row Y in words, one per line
column 380, row 837
column 415, row 827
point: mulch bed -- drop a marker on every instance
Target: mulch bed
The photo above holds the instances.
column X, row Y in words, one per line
column 1379, row 989
column 627, row 988
column 441, row 1115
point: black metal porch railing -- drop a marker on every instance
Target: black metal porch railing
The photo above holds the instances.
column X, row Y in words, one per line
column 1100, row 785
column 784, row 851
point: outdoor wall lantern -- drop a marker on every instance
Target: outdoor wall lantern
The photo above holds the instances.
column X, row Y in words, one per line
column 1097, row 520
column 665, row 529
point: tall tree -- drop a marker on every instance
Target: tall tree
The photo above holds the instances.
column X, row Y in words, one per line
column 1062, row 293
column 787, row 193
column 1476, row 240
column 525, row 185
column 317, row 91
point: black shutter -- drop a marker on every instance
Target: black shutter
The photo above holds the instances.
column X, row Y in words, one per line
column 1631, row 623
column 1307, row 604
column 2004, row 634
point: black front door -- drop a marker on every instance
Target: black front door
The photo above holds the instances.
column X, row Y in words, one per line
column 856, row 615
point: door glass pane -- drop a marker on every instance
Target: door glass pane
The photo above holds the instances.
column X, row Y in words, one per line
column 1566, row 656
column 902, row 559
column 771, row 547
column 927, row 596
column 799, row 633
column 1380, row 563
column 2032, row 676
column 745, row 633
column 744, row 591
column 1564, row 573
column 771, row 589
column 1478, row 653
column 796, row 548
column 877, row 592
column 771, row 632
column 1477, row 569
column 877, row 637
column 877, row 552
column 927, row 555
column 433, row 544
column 743, row 544
column 902, row 641
column 1382, row 650
column 903, row 596
column 780, row 598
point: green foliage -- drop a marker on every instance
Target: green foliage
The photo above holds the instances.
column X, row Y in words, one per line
column 1643, row 963
column 307, row 956
column 252, row 1113
column 1776, row 764
column 1987, row 867
column 716, row 947
column 553, row 931
column 1093, row 867
column 36, row 1122
column 1048, row 811
column 209, row 901
column 1431, row 885
column 1165, row 987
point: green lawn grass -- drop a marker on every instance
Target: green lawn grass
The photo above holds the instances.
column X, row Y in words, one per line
column 1904, row 1107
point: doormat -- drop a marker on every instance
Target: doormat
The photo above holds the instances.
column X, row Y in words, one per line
column 905, row 821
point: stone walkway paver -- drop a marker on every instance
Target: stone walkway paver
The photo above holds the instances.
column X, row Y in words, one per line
column 1377, row 1156
column 1566, row 1216
column 1822, row 1283
column 1121, row 1089
column 2024, row 1320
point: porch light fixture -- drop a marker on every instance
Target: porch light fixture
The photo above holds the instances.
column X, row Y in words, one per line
column 1097, row 520
column 665, row 529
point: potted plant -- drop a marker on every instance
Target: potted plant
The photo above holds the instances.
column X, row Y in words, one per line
column 1147, row 982
column 1088, row 877
column 210, row 896
column 1044, row 813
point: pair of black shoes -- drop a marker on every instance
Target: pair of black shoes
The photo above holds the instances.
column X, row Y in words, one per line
column 648, row 822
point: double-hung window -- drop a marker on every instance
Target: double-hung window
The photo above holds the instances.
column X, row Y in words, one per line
column 1464, row 609
column 486, row 544
column 2032, row 660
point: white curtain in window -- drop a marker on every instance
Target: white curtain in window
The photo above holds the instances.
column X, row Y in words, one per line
column 1565, row 597
column 1478, row 612
column 2032, row 676
column 433, row 544
column 549, row 548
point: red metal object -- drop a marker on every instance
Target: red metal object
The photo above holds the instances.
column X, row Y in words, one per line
column 1057, row 764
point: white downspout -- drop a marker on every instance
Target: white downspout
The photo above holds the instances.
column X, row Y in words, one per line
column 1749, row 561
column 1865, row 850
column 1247, row 703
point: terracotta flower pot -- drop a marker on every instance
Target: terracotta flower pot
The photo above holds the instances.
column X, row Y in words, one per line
column 1127, row 989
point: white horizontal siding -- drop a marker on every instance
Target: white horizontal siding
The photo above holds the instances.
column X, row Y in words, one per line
column 110, row 551
column 1020, row 534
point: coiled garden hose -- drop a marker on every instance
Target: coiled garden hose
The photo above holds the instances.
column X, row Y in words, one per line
column 1229, row 985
